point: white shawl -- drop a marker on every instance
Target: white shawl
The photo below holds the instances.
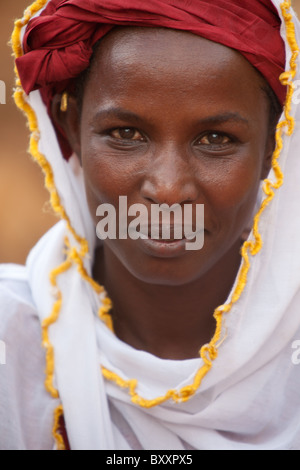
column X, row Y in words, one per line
column 250, row 398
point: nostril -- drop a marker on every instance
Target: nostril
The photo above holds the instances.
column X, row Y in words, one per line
column 167, row 192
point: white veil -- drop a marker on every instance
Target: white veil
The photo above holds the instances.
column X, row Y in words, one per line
column 244, row 397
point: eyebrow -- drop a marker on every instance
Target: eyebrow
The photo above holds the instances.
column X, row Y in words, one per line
column 126, row 115
column 225, row 117
column 119, row 113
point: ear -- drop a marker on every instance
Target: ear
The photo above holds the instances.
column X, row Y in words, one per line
column 270, row 148
column 68, row 120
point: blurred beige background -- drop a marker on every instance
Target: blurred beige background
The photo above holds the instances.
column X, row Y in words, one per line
column 24, row 212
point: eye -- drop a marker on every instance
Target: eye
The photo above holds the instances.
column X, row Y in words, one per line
column 127, row 133
column 214, row 138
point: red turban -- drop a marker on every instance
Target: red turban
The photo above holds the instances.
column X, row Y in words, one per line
column 59, row 43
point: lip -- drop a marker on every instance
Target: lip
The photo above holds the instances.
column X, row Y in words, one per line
column 173, row 232
column 163, row 248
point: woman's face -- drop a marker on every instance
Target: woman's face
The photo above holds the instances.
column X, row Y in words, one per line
column 169, row 117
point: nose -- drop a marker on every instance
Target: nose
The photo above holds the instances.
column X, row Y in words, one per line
column 170, row 178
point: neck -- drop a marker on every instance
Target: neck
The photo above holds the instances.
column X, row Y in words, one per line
column 169, row 322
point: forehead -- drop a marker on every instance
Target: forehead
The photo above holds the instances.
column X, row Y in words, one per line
column 172, row 64
column 128, row 44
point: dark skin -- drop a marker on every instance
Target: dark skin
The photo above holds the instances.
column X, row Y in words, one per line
column 169, row 117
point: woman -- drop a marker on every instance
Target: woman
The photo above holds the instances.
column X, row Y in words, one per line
column 150, row 345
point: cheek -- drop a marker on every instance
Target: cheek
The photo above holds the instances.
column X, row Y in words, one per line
column 232, row 193
column 106, row 180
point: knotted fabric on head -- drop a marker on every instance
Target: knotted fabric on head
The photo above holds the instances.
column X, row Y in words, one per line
column 58, row 44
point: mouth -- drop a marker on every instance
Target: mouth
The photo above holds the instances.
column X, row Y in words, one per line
column 163, row 248
column 164, row 241
column 164, row 233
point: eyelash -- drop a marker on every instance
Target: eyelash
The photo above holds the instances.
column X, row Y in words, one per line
column 123, row 129
column 123, row 140
column 218, row 135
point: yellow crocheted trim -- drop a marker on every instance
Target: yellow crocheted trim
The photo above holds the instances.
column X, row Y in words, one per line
column 104, row 313
column 58, row 413
column 208, row 352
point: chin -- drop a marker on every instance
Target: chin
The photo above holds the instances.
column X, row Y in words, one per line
column 171, row 273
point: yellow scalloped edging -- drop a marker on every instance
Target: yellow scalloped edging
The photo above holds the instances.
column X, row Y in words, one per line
column 208, row 352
